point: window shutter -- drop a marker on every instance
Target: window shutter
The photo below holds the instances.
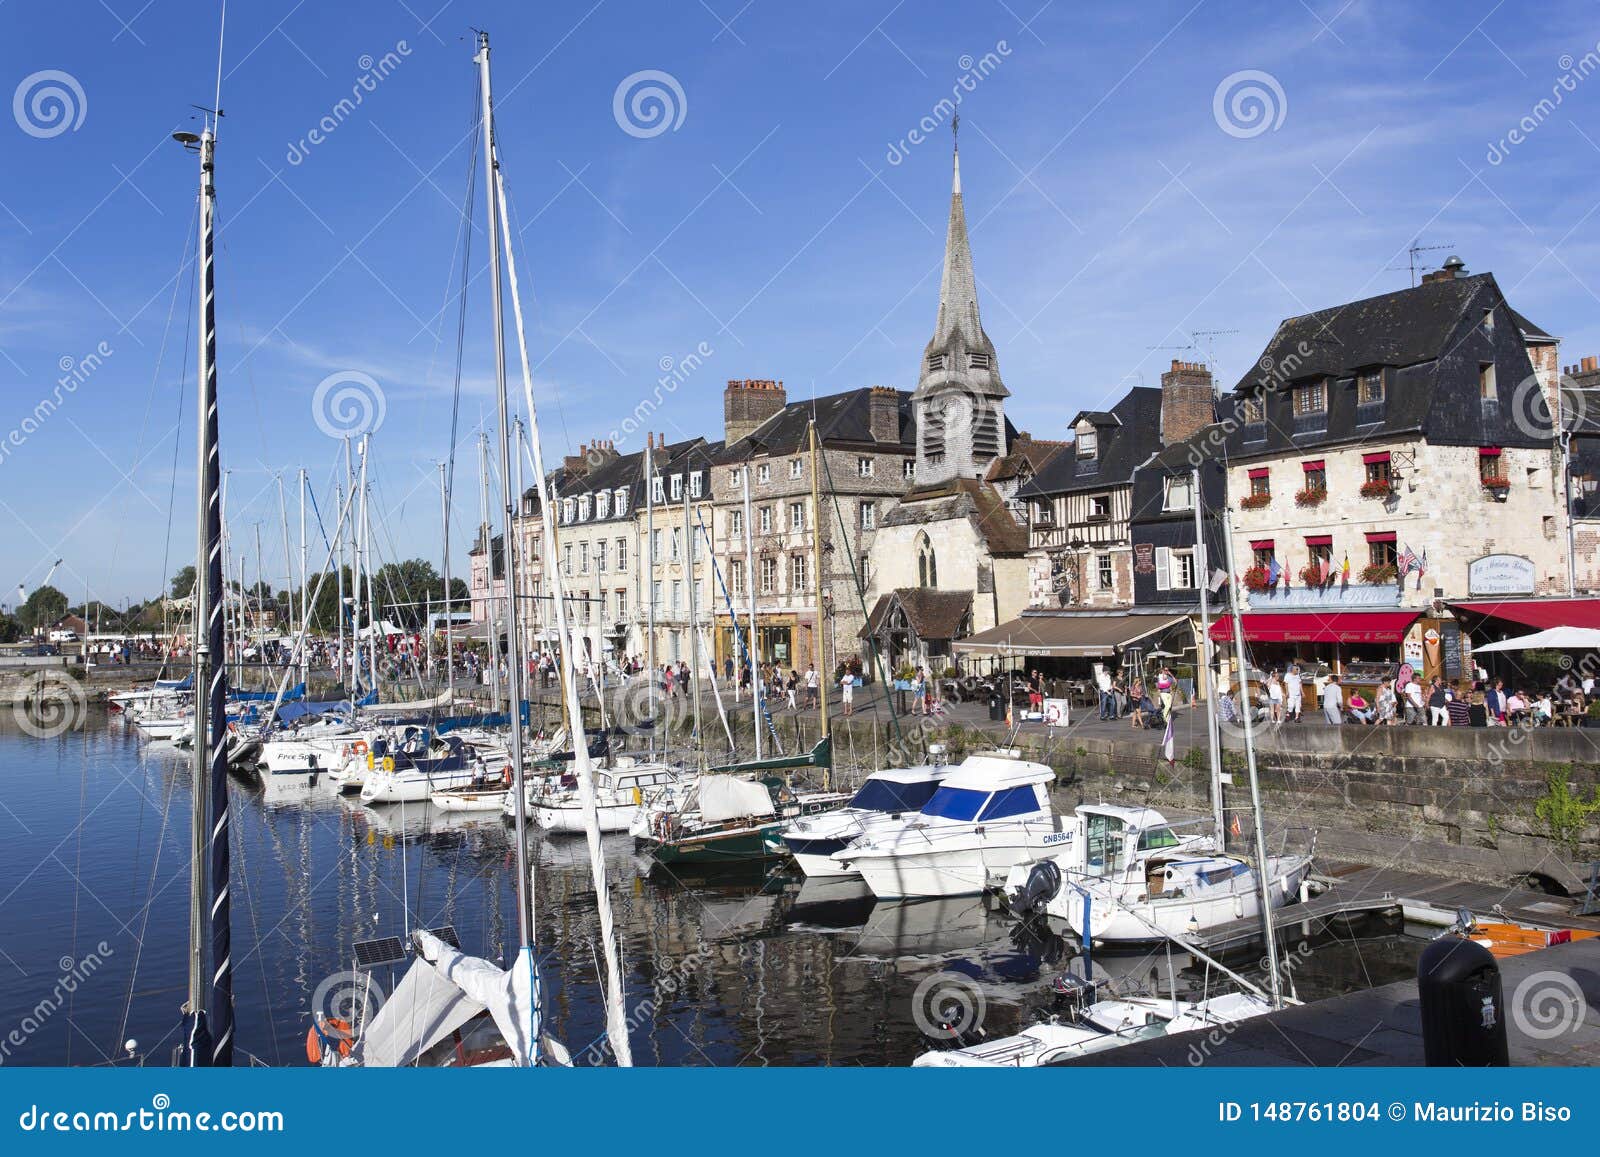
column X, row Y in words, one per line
column 1163, row 568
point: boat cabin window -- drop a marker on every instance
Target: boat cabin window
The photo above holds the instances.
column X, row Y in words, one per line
column 1154, row 839
column 1013, row 801
column 956, row 803
column 881, row 795
column 1104, row 842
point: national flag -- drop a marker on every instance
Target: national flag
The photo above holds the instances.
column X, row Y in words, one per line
column 1327, row 570
column 1167, row 742
column 1422, row 567
column 1274, row 573
column 1344, row 571
column 1404, row 564
column 1234, row 825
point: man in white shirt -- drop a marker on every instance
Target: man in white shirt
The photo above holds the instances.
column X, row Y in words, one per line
column 1413, row 691
column 812, row 685
column 1333, row 700
column 1294, row 693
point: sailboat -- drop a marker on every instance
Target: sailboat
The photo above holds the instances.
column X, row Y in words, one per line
column 451, row 1008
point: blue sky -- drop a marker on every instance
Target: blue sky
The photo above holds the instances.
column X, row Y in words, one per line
column 785, row 221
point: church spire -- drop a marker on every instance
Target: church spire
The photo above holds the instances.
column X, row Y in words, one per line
column 959, row 399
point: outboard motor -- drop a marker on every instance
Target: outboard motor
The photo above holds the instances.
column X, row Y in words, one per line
column 1041, row 886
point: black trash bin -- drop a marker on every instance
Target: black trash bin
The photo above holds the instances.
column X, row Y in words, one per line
column 1463, row 1007
column 997, row 707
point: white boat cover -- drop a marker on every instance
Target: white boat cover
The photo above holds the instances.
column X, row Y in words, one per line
column 442, row 990
column 423, row 1010
column 726, row 797
column 443, row 699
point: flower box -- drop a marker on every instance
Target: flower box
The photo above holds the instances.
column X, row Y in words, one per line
column 1497, row 482
column 1377, row 488
column 1311, row 575
column 1255, row 579
column 1310, row 497
column 1377, row 575
column 1254, row 501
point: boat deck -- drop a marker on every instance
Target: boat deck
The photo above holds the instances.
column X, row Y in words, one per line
column 1383, row 1026
column 1360, row 888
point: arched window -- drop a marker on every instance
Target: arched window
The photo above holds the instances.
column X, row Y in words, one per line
column 927, row 564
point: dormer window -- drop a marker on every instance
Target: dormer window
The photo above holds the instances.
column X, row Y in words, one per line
column 567, row 507
column 1369, row 388
column 1180, row 494
column 677, row 487
column 621, row 502
column 1253, row 411
column 1088, row 443
column 696, row 485
column 584, row 508
column 1311, row 398
column 602, row 504
column 655, row 490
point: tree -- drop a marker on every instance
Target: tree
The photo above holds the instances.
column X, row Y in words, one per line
column 44, row 606
column 183, row 583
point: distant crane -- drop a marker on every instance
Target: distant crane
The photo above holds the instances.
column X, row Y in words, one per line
column 1415, row 248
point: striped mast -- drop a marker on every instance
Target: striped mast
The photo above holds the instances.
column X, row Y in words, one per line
column 208, row 1039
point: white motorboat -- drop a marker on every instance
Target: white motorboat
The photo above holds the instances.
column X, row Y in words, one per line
column 1097, row 1027
column 885, row 802
column 1178, row 894
column 619, row 794
column 1107, row 838
column 987, row 815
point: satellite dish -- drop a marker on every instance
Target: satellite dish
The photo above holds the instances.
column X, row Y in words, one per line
column 185, row 138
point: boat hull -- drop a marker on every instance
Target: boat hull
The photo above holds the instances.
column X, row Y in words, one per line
column 740, row 845
column 1153, row 919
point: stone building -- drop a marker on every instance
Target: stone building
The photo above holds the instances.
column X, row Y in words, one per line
column 868, row 455
column 675, row 525
column 1412, row 425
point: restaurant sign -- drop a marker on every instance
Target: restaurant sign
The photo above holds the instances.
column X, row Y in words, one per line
column 1500, row 574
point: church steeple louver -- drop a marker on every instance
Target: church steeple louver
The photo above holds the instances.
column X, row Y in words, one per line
column 959, row 394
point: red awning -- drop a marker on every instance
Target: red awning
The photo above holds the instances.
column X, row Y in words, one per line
column 1259, row 471
column 1538, row 613
column 1319, row 626
column 1380, row 536
column 1380, row 456
column 1261, row 544
column 1489, row 451
column 1314, row 464
column 1319, row 540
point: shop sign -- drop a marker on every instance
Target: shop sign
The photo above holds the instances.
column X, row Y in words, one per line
column 1144, row 557
column 1500, row 574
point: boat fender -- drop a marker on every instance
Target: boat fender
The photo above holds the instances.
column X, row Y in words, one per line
column 388, row 763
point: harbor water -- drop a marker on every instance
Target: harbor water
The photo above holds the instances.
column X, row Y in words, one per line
column 752, row 968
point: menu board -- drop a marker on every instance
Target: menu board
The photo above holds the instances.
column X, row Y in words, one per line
column 1450, row 644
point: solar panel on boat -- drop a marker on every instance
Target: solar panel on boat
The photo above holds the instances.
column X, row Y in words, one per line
column 375, row 953
column 448, row 935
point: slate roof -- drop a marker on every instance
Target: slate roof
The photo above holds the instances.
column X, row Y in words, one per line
column 1026, row 455
column 1130, row 433
column 960, row 498
column 1429, row 343
column 842, row 419
column 931, row 613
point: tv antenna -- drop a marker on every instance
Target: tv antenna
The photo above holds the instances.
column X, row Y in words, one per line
column 1415, row 248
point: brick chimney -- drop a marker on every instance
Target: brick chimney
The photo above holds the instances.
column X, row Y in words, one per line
column 1452, row 268
column 883, row 413
column 748, row 403
column 1188, row 401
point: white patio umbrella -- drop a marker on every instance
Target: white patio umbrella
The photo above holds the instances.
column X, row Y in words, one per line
column 1552, row 639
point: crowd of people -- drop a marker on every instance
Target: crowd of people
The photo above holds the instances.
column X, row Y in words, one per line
column 1407, row 699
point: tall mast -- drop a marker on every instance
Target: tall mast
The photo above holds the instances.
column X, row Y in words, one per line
column 616, row 1011
column 491, row 615
column 650, row 578
column 449, row 622
column 305, row 606
column 513, row 634
column 691, row 546
column 750, row 597
column 819, row 644
column 519, row 596
column 1207, row 658
column 1274, row 979
column 208, row 1039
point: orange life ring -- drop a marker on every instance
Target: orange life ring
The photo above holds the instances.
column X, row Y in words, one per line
column 359, row 747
